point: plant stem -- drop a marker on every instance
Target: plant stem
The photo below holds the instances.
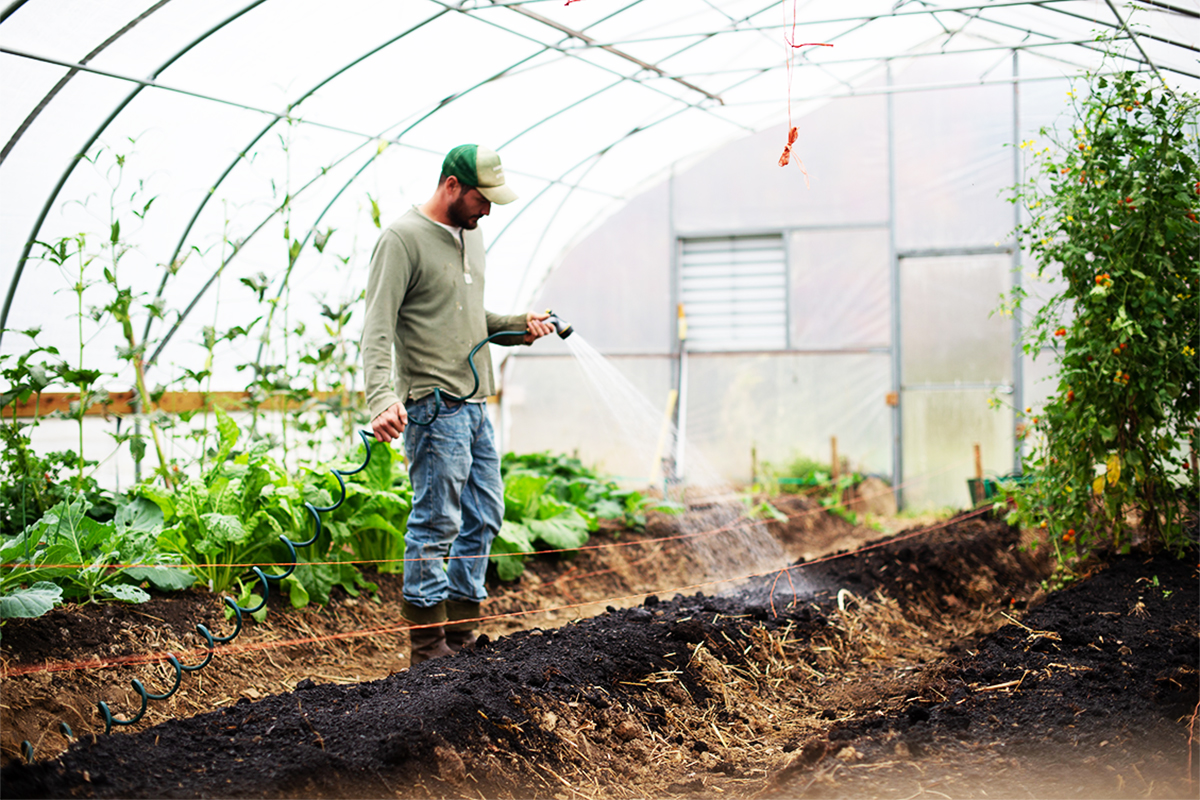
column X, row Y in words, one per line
column 82, row 401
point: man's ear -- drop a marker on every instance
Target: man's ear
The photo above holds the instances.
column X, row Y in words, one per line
column 452, row 185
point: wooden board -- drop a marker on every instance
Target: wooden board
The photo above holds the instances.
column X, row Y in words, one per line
column 171, row 402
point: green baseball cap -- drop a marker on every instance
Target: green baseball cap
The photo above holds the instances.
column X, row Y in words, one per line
column 478, row 166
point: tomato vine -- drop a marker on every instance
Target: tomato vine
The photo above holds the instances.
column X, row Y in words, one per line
column 1112, row 226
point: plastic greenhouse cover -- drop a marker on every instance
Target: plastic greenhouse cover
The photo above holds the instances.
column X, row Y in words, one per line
column 223, row 134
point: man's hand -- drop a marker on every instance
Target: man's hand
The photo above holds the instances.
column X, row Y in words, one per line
column 390, row 423
column 536, row 327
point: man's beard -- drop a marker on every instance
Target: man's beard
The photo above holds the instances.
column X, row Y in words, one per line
column 457, row 213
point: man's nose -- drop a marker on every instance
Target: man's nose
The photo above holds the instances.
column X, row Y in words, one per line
column 487, row 208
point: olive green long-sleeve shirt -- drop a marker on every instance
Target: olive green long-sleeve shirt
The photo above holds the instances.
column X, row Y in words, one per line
column 425, row 304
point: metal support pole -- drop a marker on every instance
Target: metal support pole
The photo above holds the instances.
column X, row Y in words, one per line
column 1018, row 333
column 681, row 427
column 894, row 283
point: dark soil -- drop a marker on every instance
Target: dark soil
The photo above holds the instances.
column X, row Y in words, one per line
column 925, row 663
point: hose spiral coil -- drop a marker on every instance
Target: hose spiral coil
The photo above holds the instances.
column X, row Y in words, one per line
column 211, row 640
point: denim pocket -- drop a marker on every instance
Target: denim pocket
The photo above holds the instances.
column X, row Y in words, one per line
column 423, row 411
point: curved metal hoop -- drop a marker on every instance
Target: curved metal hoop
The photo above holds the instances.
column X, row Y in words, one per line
column 237, row 612
column 341, row 485
column 27, row 746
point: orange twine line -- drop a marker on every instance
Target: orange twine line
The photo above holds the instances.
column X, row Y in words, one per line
column 148, row 658
column 786, row 157
column 681, row 536
column 812, row 511
column 1191, row 740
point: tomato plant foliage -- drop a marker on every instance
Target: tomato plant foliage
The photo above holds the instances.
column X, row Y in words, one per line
column 1112, row 210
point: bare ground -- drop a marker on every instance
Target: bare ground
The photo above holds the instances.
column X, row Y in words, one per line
column 926, row 663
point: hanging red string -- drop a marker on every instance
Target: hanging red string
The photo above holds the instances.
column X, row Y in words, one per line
column 792, row 46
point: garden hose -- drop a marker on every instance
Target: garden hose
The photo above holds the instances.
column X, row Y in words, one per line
column 212, row 641
column 563, row 329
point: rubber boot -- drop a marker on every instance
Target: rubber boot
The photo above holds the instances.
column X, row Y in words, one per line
column 461, row 635
column 428, row 641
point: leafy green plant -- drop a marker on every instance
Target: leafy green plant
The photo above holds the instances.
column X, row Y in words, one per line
column 574, row 483
column 233, row 514
column 373, row 518
column 327, row 367
column 804, row 471
column 368, row 527
column 815, row 479
column 834, row 499
column 1113, row 227
column 532, row 514
column 84, row 559
column 763, row 510
column 553, row 502
column 38, row 482
column 123, row 303
column 67, row 251
column 1155, row 585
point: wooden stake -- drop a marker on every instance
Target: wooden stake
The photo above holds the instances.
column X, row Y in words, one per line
column 835, row 468
column 979, row 492
column 656, row 466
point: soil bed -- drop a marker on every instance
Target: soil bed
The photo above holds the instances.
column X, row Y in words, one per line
column 927, row 662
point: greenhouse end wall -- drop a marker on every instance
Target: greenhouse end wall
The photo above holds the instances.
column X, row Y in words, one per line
column 857, row 282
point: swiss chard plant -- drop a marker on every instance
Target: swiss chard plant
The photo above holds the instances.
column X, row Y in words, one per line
column 367, row 528
column 534, row 516
column 233, row 514
column 554, row 503
column 580, row 486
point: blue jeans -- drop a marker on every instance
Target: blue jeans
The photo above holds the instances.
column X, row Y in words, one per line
column 458, row 502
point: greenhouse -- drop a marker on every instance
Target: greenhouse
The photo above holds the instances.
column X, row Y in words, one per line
column 635, row 136
column 784, row 244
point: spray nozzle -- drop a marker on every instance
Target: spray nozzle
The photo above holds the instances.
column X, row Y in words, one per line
column 563, row 329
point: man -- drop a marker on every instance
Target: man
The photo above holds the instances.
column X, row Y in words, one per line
column 425, row 303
